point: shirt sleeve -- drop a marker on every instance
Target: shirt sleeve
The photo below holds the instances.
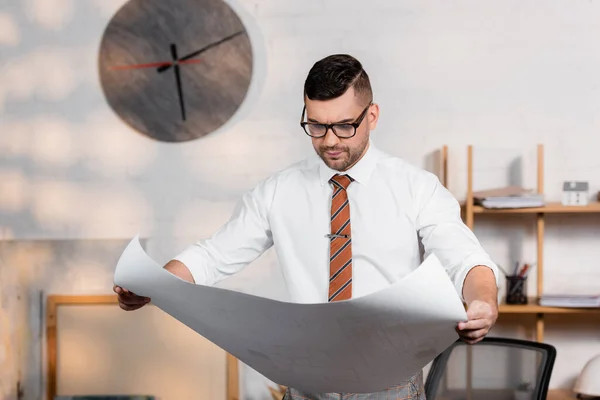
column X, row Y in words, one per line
column 444, row 234
column 237, row 243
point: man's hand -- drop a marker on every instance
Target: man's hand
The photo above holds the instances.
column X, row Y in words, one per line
column 481, row 316
column 480, row 293
column 129, row 301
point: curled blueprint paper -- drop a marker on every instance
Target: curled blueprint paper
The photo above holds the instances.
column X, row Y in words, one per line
column 361, row 345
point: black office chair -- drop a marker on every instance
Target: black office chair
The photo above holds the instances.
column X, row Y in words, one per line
column 493, row 369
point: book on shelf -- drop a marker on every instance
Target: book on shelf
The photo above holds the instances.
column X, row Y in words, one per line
column 570, row 300
column 508, row 197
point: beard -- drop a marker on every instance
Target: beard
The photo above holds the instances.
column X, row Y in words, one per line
column 346, row 159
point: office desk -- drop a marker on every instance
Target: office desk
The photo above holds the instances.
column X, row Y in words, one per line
column 503, row 394
column 561, row 394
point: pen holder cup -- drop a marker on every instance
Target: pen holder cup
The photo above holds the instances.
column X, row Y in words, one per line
column 516, row 290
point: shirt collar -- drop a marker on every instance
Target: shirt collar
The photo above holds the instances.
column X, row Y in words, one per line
column 361, row 171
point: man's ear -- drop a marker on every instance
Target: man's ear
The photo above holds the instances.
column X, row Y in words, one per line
column 373, row 116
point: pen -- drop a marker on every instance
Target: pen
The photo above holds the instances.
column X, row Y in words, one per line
column 523, row 271
column 516, row 268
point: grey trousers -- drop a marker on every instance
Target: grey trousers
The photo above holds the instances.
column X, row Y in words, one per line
column 411, row 389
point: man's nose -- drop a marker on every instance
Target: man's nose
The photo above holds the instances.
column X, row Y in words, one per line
column 330, row 139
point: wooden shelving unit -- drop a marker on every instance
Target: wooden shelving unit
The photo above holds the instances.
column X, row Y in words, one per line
column 470, row 210
column 533, row 308
column 549, row 208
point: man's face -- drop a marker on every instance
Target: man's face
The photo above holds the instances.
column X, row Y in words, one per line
column 342, row 153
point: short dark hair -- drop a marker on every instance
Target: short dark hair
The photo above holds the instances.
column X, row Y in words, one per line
column 332, row 76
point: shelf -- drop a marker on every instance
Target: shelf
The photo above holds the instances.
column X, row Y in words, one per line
column 549, row 208
column 534, row 308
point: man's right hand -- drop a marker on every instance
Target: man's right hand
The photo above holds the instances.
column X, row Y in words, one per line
column 129, row 301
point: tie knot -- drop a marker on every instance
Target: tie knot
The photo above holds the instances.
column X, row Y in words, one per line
column 342, row 181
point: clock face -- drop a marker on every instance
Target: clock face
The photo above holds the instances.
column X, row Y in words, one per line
column 175, row 70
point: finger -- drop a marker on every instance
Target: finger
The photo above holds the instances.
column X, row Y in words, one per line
column 120, row 290
column 477, row 313
column 473, row 335
column 136, row 302
column 473, row 324
column 472, row 341
column 142, row 299
column 127, row 307
column 133, row 304
column 131, row 295
column 133, row 300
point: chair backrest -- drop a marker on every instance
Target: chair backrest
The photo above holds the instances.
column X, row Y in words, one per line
column 493, row 369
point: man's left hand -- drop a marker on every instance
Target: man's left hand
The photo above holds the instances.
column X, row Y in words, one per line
column 481, row 316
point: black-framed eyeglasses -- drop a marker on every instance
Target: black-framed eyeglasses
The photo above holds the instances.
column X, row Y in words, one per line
column 343, row 131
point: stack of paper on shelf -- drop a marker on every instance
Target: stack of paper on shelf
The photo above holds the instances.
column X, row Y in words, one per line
column 569, row 300
column 508, row 197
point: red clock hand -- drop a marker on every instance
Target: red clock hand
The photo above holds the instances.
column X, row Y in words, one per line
column 151, row 65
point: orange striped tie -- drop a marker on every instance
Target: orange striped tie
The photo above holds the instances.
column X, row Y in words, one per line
column 340, row 247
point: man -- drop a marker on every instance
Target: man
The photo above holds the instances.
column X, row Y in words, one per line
column 348, row 222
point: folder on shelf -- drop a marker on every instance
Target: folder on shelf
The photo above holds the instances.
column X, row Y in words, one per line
column 570, row 300
column 508, row 197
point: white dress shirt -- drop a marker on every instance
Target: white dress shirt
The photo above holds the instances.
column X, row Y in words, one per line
column 393, row 207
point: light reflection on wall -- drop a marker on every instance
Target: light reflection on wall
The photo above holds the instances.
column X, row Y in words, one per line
column 50, row 14
column 89, row 208
column 51, row 144
column 15, row 190
column 9, row 30
column 130, row 154
column 44, row 74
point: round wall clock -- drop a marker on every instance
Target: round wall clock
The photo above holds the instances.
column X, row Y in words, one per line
column 175, row 70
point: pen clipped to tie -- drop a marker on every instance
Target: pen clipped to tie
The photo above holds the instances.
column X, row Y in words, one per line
column 333, row 235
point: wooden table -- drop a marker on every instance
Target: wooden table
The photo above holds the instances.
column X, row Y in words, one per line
column 561, row 394
column 503, row 394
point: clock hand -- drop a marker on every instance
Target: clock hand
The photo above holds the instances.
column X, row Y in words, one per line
column 210, row 46
column 202, row 50
column 150, row 65
column 178, row 80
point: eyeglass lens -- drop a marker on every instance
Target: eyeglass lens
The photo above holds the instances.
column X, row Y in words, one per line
column 341, row 130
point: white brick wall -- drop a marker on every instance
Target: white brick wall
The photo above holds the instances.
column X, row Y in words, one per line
column 494, row 74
